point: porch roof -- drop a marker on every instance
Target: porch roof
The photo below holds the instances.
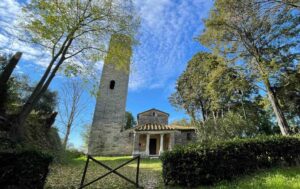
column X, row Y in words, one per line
column 160, row 127
column 153, row 127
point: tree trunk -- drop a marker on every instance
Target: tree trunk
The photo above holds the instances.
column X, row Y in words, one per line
column 282, row 123
column 4, row 77
column 67, row 136
column 214, row 116
column 17, row 132
column 244, row 111
column 202, row 111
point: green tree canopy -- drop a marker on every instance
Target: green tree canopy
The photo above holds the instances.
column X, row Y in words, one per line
column 209, row 87
column 130, row 121
column 260, row 43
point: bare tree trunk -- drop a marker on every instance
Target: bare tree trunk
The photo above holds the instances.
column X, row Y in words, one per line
column 67, row 136
column 282, row 123
column 72, row 106
column 4, row 77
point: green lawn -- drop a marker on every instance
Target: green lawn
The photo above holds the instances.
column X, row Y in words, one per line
column 69, row 176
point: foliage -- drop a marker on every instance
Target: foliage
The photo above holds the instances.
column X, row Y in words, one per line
column 288, row 89
column 19, row 89
column 37, row 133
column 220, row 100
column 196, row 164
column 181, row 122
column 261, row 44
column 232, row 125
column 70, row 154
column 41, row 138
column 208, row 88
column 26, row 169
column 85, row 134
column 130, row 121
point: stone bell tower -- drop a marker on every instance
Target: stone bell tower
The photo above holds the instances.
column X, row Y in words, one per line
column 106, row 137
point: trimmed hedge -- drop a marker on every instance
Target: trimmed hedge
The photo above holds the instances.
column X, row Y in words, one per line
column 195, row 164
column 27, row 169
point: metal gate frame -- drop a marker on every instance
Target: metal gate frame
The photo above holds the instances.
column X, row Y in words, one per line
column 111, row 170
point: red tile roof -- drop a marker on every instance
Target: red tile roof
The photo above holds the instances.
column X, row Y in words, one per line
column 159, row 127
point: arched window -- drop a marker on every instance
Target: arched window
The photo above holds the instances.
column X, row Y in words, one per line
column 153, row 113
column 112, row 84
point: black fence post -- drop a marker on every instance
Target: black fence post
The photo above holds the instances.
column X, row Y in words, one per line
column 138, row 171
column 85, row 169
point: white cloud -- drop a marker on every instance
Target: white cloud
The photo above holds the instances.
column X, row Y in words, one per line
column 166, row 36
column 10, row 14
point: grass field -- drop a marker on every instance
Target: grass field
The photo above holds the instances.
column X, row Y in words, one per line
column 69, row 176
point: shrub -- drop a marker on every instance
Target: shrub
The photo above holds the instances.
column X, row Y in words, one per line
column 27, row 169
column 73, row 153
column 195, row 164
column 231, row 125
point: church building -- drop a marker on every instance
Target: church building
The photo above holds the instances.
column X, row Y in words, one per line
column 151, row 136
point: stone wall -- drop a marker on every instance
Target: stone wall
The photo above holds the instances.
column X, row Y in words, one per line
column 153, row 117
column 184, row 137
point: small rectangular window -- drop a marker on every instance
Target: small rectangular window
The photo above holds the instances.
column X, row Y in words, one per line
column 188, row 136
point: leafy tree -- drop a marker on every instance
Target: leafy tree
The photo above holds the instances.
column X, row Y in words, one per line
column 288, row 89
column 130, row 121
column 19, row 89
column 210, row 88
column 71, row 32
column 266, row 43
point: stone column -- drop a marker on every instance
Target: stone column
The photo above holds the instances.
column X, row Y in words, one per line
column 161, row 149
column 136, row 146
column 147, row 144
column 171, row 141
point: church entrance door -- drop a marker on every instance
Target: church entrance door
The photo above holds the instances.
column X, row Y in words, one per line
column 152, row 147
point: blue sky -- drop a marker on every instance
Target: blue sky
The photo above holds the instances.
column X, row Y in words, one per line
column 166, row 36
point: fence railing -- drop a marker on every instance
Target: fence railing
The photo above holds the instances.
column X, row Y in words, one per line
column 111, row 170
